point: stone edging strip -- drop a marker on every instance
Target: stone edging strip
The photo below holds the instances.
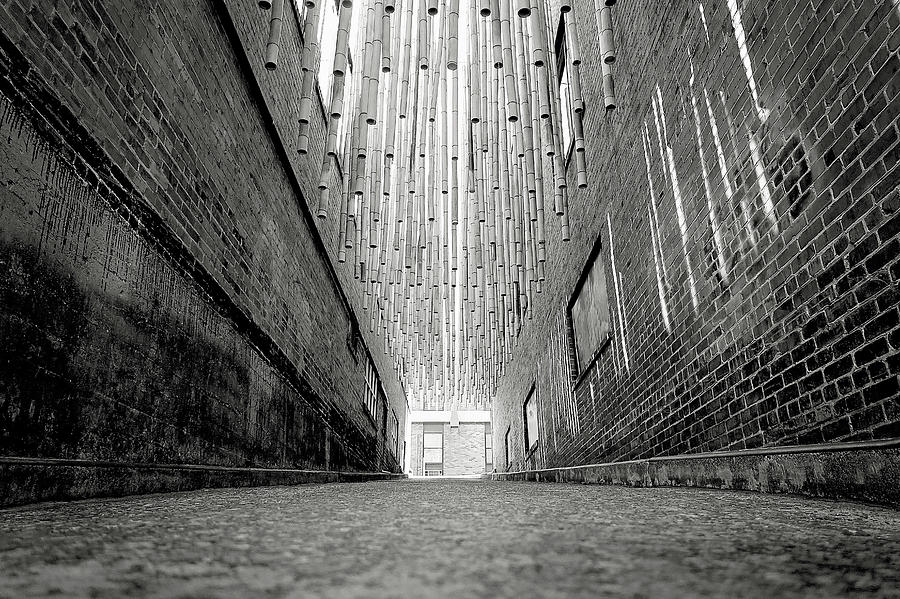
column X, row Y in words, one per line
column 863, row 471
column 24, row 461
column 737, row 453
column 25, row 480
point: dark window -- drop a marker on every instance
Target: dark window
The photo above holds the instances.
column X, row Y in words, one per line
column 589, row 313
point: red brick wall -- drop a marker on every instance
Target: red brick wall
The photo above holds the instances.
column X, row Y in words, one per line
column 794, row 338
column 172, row 296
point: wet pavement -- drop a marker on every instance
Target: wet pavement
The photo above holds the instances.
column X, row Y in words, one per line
column 450, row 538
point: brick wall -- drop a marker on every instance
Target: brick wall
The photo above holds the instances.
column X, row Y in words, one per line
column 766, row 313
column 465, row 449
column 167, row 295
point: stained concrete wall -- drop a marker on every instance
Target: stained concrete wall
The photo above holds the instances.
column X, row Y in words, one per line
column 167, row 296
column 753, row 290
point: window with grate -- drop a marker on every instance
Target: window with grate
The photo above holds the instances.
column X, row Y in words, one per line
column 371, row 390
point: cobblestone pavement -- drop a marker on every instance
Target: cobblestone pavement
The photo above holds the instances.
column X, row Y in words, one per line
column 450, row 538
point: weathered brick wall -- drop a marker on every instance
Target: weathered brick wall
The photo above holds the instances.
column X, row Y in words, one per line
column 782, row 314
column 165, row 295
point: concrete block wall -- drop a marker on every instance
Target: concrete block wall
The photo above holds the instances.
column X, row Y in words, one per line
column 757, row 299
column 167, row 296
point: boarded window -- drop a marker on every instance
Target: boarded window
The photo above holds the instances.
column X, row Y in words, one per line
column 589, row 311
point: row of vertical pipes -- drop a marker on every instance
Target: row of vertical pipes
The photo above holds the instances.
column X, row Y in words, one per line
column 444, row 202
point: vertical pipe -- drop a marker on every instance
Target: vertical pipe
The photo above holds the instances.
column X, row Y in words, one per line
column 272, row 45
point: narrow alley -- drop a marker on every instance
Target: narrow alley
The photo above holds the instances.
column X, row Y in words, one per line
column 449, row 298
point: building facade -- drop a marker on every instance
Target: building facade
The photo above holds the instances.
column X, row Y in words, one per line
column 451, row 443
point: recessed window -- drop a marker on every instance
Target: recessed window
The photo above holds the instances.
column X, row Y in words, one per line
column 565, row 104
column 327, row 35
column 589, row 313
column 371, row 390
column 328, row 28
column 395, row 434
column 507, row 446
column 531, row 421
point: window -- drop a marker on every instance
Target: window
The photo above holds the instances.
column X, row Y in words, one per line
column 565, row 106
column 371, row 391
column 433, row 449
column 329, row 19
column 354, row 341
column 589, row 313
column 507, row 448
column 395, row 434
column 328, row 28
column 531, row 421
column 344, row 123
column 488, row 448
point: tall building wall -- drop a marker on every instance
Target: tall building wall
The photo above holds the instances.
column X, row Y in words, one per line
column 743, row 202
column 167, row 295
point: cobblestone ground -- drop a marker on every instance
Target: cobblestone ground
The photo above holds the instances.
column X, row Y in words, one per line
column 450, row 539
